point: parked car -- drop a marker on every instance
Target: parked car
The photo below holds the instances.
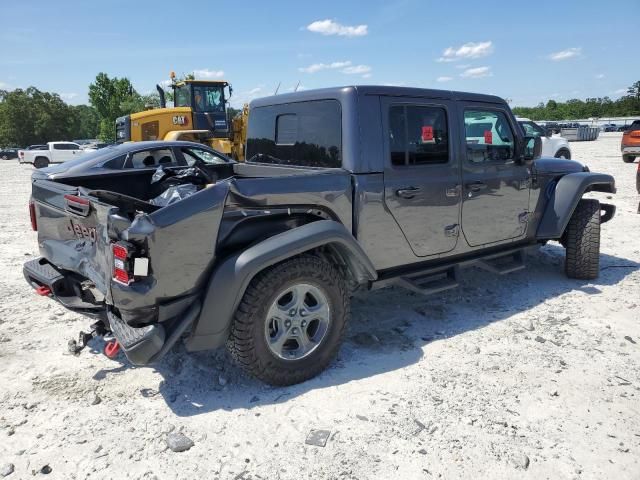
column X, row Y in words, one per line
column 552, row 146
column 133, row 158
column 8, row 153
column 53, row 152
column 609, row 127
column 344, row 189
column 623, row 128
column 630, row 143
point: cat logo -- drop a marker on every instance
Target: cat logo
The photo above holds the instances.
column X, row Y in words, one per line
column 180, row 120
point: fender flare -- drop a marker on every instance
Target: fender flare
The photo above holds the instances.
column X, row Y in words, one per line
column 565, row 197
column 232, row 276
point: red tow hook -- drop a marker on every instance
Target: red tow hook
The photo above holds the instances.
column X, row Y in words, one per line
column 111, row 349
column 43, row 290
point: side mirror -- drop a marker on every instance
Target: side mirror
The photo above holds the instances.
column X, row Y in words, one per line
column 532, row 148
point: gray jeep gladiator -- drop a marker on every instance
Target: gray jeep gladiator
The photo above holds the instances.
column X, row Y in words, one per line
column 345, row 188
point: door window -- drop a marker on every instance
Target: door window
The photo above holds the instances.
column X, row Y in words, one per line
column 418, row 135
column 489, row 137
column 152, row 158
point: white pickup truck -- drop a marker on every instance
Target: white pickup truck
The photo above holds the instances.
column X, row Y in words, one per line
column 53, row 152
column 552, row 145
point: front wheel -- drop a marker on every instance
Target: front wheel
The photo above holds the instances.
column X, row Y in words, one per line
column 582, row 241
column 291, row 320
column 628, row 158
column 563, row 153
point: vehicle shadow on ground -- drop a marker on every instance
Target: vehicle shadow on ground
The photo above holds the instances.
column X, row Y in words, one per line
column 206, row 381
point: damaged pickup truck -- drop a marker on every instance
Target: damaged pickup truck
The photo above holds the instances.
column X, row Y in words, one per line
column 344, row 188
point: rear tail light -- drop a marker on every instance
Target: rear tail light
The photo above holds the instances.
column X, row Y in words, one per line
column 121, row 270
column 635, row 134
column 32, row 215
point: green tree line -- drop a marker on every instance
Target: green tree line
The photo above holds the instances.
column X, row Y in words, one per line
column 601, row 107
column 30, row 116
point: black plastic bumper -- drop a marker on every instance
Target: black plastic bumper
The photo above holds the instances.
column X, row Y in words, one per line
column 65, row 287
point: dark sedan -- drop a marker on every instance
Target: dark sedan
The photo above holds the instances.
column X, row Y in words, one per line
column 134, row 157
column 8, row 153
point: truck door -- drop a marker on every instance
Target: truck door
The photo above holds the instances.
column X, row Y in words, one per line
column 421, row 173
column 495, row 199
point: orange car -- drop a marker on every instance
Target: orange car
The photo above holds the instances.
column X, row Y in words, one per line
column 630, row 145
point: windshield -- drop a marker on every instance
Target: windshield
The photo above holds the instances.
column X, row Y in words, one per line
column 182, row 96
column 208, row 98
column 532, row 129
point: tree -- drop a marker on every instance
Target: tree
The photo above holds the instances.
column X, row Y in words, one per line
column 30, row 116
column 86, row 121
column 113, row 98
column 598, row 107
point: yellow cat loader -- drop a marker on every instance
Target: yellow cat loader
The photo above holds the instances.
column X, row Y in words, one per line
column 199, row 115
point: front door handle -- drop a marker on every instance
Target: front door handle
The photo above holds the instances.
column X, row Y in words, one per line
column 408, row 192
column 476, row 186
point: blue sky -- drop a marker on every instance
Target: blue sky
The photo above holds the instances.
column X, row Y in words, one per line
column 529, row 54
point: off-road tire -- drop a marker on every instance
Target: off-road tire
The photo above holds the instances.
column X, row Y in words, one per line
column 563, row 152
column 247, row 343
column 582, row 241
column 41, row 162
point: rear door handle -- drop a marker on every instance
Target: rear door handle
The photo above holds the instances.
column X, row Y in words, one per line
column 408, row 192
column 476, row 186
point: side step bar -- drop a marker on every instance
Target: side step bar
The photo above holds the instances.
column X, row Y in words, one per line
column 503, row 264
column 432, row 282
column 437, row 279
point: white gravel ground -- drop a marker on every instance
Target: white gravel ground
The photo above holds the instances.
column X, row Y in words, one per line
column 530, row 375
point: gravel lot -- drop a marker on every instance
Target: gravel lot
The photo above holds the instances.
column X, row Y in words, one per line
column 530, row 375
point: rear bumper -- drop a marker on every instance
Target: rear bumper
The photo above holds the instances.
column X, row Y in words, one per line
column 142, row 345
column 631, row 150
column 67, row 288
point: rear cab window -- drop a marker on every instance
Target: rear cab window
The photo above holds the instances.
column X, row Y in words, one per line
column 307, row 134
column 489, row 136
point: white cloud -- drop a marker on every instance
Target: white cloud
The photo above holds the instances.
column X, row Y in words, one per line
column 206, row 74
column 444, row 79
column 357, row 70
column 468, row 50
column 329, row 27
column 316, row 67
column 477, row 72
column 255, row 91
column 565, row 54
column 600, row 76
column 165, row 83
column 620, row 91
column 68, row 96
column 366, row 75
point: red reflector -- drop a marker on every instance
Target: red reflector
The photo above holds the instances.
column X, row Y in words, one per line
column 43, row 290
column 76, row 199
column 488, row 137
column 32, row 215
column 121, row 275
column 119, row 252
